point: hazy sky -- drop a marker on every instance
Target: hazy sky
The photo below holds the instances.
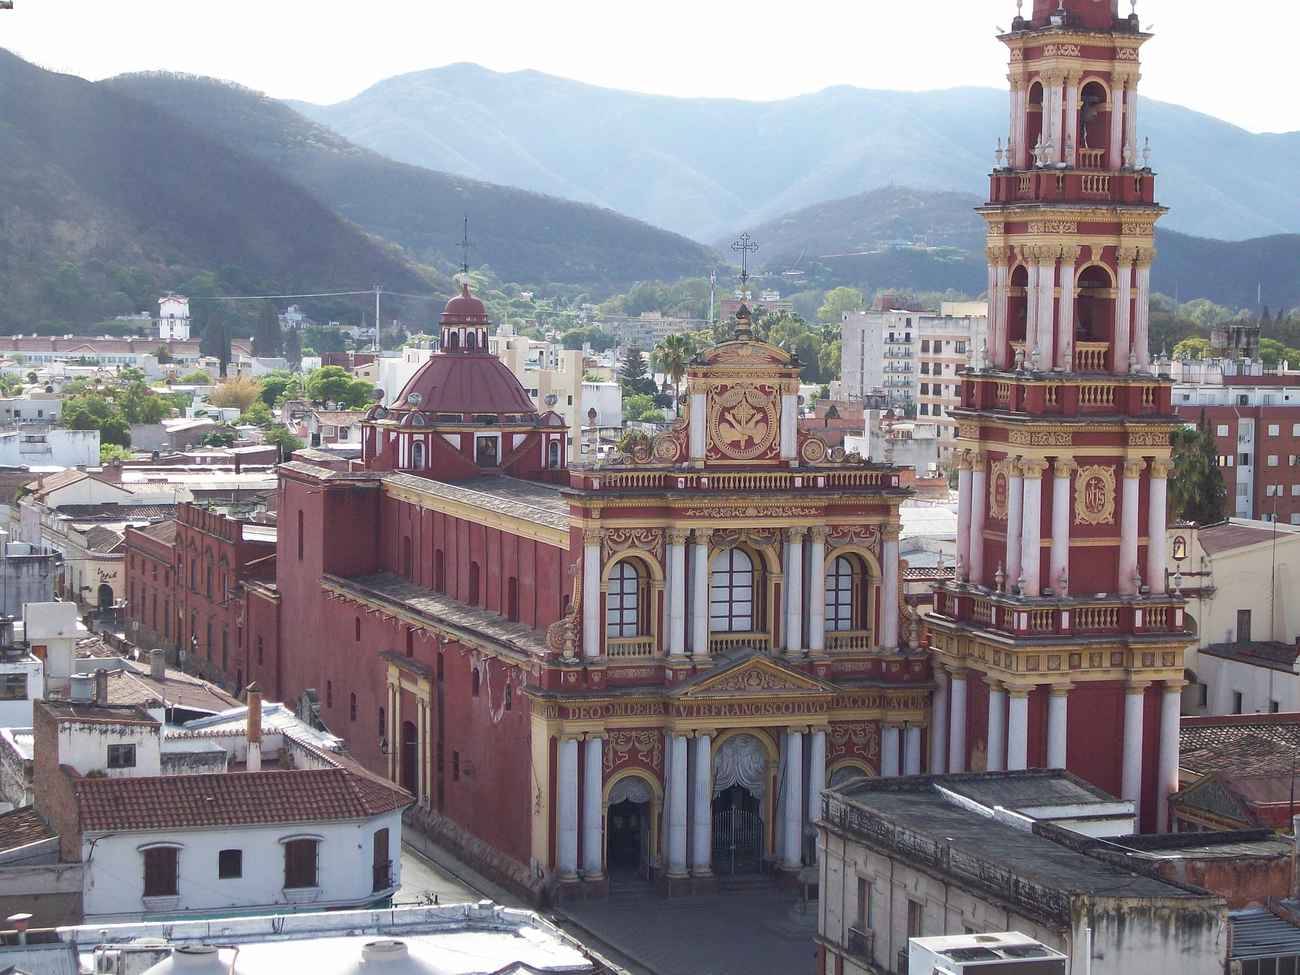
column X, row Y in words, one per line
column 1223, row 57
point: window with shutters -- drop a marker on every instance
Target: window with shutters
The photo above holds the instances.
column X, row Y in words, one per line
column 230, row 864
column 300, row 863
column 161, row 877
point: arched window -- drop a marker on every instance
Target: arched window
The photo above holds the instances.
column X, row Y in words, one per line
column 471, row 341
column 417, row 455
column 553, row 454
column 623, row 603
column 840, row 592
column 731, row 592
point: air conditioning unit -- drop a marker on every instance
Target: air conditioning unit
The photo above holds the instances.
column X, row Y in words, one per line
column 978, row 954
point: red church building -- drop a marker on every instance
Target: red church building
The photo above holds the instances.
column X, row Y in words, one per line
column 1057, row 645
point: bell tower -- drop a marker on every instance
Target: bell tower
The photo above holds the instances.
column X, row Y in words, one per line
column 1060, row 643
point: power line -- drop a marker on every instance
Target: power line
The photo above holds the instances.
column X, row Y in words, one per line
column 320, row 294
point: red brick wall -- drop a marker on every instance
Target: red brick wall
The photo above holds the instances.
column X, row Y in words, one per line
column 52, row 788
column 1283, row 446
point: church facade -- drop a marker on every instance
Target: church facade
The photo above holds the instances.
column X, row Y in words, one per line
column 645, row 670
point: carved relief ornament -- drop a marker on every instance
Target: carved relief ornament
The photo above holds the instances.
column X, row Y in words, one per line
column 1094, row 495
column 644, row 746
column 743, row 421
column 619, row 540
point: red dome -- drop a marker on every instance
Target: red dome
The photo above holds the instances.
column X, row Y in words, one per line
column 466, row 383
column 464, row 309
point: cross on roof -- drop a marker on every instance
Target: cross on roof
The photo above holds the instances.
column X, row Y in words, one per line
column 744, row 245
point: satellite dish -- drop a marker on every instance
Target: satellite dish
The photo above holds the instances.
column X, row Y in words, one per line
column 551, row 399
column 377, row 394
column 414, row 399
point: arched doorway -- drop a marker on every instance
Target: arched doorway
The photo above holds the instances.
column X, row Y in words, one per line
column 105, row 597
column 739, row 784
column 627, row 831
column 410, row 757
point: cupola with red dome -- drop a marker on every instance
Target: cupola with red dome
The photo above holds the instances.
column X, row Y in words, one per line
column 464, row 413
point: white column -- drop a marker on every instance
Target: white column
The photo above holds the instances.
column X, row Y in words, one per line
column 1142, row 314
column 1000, row 350
column 1046, row 311
column 1032, row 303
column 939, row 724
column 700, row 600
column 1072, row 121
column 1123, row 315
column 702, row 825
column 421, row 709
column 912, row 750
column 591, row 593
column 979, row 505
column 889, row 592
column 677, row 810
column 1170, row 719
column 1019, row 94
column 1031, row 552
column 1128, row 527
column 793, row 796
column 1059, row 563
column 817, row 589
column 1017, row 729
column 566, row 846
column 1131, row 788
column 1015, row 523
column 964, row 488
column 1157, row 515
column 1058, row 127
column 677, row 593
column 593, row 834
column 699, row 426
column 957, row 723
column 1057, row 725
column 1116, row 154
column 1065, row 318
column 789, row 426
column 794, row 591
column 889, row 740
column 816, row 772
column 1131, row 124
column 997, row 743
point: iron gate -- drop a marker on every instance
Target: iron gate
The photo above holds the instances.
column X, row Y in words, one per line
column 737, row 841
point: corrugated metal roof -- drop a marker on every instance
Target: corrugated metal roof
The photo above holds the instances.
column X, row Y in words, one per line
column 1259, row 933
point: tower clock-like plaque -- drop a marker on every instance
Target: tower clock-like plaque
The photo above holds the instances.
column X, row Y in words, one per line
column 1094, row 495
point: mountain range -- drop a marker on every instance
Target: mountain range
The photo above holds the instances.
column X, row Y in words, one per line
column 523, row 236
column 873, row 239
column 708, row 168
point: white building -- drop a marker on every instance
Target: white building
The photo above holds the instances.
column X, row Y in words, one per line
column 1240, row 578
column 51, row 631
column 277, row 820
column 43, row 445
column 22, row 680
column 929, row 857
column 459, row 938
column 174, row 318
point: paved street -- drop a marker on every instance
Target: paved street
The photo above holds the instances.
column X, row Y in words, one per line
column 423, row 880
column 735, row 934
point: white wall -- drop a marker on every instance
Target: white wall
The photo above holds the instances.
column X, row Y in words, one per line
column 1258, row 686
column 114, row 875
column 84, row 746
column 18, row 713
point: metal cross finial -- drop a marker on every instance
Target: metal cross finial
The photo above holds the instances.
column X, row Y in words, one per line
column 744, row 245
column 464, row 249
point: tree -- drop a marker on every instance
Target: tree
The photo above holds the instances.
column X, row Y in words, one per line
column 284, row 439
column 239, row 393
column 214, row 341
column 328, row 384
column 293, row 348
column 94, row 412
column 139, row 404
column 1193, row 348
column 258, row 414
column 268, row 340
column 196, row 378
column 220, row 437
column 110, row 452
column 634, row 377
column 278, row 385
column 838, row 301
column 640, row 408
column 672, row 357
column 163, row 355
column 1197, row 491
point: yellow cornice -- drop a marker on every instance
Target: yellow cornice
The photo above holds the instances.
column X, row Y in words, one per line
column 479, row 516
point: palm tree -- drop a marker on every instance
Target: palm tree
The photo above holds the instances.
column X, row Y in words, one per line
column 672, row 357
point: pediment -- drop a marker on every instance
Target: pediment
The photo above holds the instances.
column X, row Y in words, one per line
column 755, row 677
column 746, row 352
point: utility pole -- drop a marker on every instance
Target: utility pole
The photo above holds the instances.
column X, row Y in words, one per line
column 378, row 290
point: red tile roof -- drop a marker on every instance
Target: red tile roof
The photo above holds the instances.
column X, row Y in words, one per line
column 1229, row 536
column 231, row 799
column 1239, row 745
column 21, row 828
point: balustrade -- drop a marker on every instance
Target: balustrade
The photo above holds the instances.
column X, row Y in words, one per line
column 622, row 648
column 1096, row 618
column 725, row 642
column 1091, row 356
column 1096, row 184
column 1042, row 621
column 1095, row 395
column 849, row 640
column 1092, row 158
column 1157, row 618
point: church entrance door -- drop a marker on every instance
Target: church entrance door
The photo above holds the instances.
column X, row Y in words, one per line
column 627, row 831
column 737, row 832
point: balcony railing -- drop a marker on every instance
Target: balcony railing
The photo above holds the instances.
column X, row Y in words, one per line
column 1050, row 616
column 623, row 648
column 597, row 478
column 1091, row 356
column 1096, row 184
column 726, row 642
column 862, row 944
column 1092, row 158
column 844, row 640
